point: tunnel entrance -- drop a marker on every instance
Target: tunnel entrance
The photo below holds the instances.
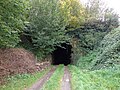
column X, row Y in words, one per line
column 62, row 55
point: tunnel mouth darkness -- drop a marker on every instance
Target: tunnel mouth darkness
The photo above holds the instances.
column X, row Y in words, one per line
column 62, row 54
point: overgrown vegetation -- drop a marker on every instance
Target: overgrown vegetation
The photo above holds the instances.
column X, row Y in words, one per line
column 20, row 82
column 49, row 22
column 12, row 18
column 47, row 25
column 109, row 51
column 108, row 79
column 99, row 22
column 85, row 62
column 106, row 55
column 41, row 25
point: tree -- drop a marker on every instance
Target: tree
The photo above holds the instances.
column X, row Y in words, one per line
column 48, row 21
column 96, row 10
column 99, row 21
column 111, row 18
column 12, row 17
column 76, row 13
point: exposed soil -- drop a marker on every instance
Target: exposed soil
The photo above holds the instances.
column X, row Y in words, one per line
column 39, row 84
column 18, row 61
column 66, row 79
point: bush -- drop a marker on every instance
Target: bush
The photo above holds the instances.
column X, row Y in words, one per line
column 109, row 51
column 12, row 17
column 84, row 62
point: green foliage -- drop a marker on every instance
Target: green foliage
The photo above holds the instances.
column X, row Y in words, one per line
column 84, row 62
column 90, row 34
column 76, row 13
column 12, row 17
column 22, row 81
column 109, row 51
column 94, row 80
column 106, row 55
column 88, row 38
column 47, row 25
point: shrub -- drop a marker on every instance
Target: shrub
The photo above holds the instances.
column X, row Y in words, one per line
column 109, row 51
column 47, row 26
column 84, row 62
column 12, row 17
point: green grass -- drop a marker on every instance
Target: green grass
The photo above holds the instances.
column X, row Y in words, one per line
column 20, row 82
column 54, row 83
column 94, row 80
column 86, row 61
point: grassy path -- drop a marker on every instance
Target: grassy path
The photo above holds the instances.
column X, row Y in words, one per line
column 54, row 83
column 45, row 80
column 62, row 79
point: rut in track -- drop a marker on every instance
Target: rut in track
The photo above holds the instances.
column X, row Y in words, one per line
column 66, row 79
column 39, row 84
column 65, row 84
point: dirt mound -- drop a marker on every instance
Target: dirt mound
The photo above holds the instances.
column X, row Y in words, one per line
column 16, row 61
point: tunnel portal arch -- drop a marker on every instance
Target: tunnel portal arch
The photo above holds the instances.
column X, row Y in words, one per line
column 62, row 54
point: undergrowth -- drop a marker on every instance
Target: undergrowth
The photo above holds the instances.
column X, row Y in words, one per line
column 109, row 51
column 107, row 79
column 86, row 61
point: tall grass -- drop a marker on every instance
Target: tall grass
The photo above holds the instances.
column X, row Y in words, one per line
column 95, row 80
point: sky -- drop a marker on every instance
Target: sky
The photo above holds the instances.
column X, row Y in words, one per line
column 115, row 4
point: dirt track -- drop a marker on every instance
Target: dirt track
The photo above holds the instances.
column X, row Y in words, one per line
column 66, row 79
column 65, row 85
column 38, row 85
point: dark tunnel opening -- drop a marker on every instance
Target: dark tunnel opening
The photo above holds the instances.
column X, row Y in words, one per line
column 62, row 55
